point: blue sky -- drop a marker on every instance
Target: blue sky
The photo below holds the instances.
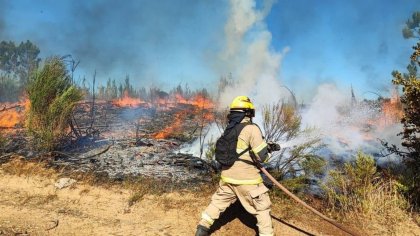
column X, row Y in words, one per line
column 166, row 42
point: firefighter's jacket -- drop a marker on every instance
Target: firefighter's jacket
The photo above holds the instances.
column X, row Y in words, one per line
column 243, row 172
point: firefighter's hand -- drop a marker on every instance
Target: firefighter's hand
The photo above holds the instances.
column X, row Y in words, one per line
column 272, row 147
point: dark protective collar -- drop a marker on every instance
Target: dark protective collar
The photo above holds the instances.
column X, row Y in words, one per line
column 235, row 118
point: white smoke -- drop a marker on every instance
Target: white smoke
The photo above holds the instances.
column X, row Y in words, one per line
column 248, row 55
column 343, row 126
column 211, row 134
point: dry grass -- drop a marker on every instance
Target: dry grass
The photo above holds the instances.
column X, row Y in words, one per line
column 169, row 202
column 38, row 199
column 139, row 187
column 84, row 191
column 383, row 206
column 416, row 218
column 18, row 166
column 286, row 208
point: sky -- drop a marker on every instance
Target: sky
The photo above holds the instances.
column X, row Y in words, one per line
column 164, row 43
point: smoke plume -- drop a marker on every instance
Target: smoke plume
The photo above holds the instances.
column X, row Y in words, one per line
column 346, row 126
column 248, row 54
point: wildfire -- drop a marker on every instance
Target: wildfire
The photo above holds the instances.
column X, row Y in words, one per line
column 175, row 126
column 127, row 101
column 167, row 102
column 392, row 112
column 180, row 99
column 202, row 102
column 9, row 119
column 201, row 114
column 197, row 100
column 196, row 109
column 13, row 114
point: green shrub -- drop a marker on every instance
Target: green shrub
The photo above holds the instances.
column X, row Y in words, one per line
column 210, row 151
column 52, row 97
column 358, row 190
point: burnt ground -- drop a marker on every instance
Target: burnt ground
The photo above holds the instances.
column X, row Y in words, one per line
column 121, row 142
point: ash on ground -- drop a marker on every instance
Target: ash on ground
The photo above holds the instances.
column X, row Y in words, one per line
column 122, row 142
column 150, row 158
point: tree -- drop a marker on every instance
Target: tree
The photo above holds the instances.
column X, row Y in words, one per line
column 9, row 88
column 412, row 27
column 8, row 57
column 281, row 123
column 410, row 99
column 52, row 97
column 19, row 60
column 28, row 60
column 223, row 83
column 121, row 91
column 127, row 85
column 16, row 65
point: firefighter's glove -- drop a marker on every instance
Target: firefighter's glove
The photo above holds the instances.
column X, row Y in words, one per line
column 273, row 147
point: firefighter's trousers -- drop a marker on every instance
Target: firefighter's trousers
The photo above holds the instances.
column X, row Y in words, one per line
column 254, row 198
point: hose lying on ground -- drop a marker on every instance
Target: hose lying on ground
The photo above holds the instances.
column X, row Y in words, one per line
column 294, row 197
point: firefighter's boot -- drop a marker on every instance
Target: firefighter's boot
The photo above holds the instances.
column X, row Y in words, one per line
column 202, row 231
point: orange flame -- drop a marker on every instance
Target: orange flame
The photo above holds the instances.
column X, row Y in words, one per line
column 392, row 112
column 198, row 107
column 198, row 101
column 127, row 101
column 10, row 118
column 180, row 99
column 202, row 102
column 175, row 126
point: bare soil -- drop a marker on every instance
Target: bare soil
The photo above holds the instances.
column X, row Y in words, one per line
column 31, row 205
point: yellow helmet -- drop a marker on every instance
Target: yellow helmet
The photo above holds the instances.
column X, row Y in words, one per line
column 244, row 104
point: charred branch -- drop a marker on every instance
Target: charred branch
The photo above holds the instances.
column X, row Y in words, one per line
column 9, row 108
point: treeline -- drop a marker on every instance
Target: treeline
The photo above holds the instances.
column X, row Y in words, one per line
column 117, row 90
column 17, row 63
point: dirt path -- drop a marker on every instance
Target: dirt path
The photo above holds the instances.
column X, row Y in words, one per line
column 32, row 204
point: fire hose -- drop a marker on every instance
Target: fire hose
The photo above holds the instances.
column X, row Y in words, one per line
column 294, row 197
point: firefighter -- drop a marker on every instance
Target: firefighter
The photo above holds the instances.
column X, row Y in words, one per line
column 242, row 181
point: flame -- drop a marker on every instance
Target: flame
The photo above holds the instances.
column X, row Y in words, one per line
column 15, row 116
column 198, row 100
column 9, row 118
column 165, row 103
column 175, row 126
column 202, row 102
column 198, row 109
column 201, row 113
column 392, row 112
column 127, row 101
column 180, row 99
